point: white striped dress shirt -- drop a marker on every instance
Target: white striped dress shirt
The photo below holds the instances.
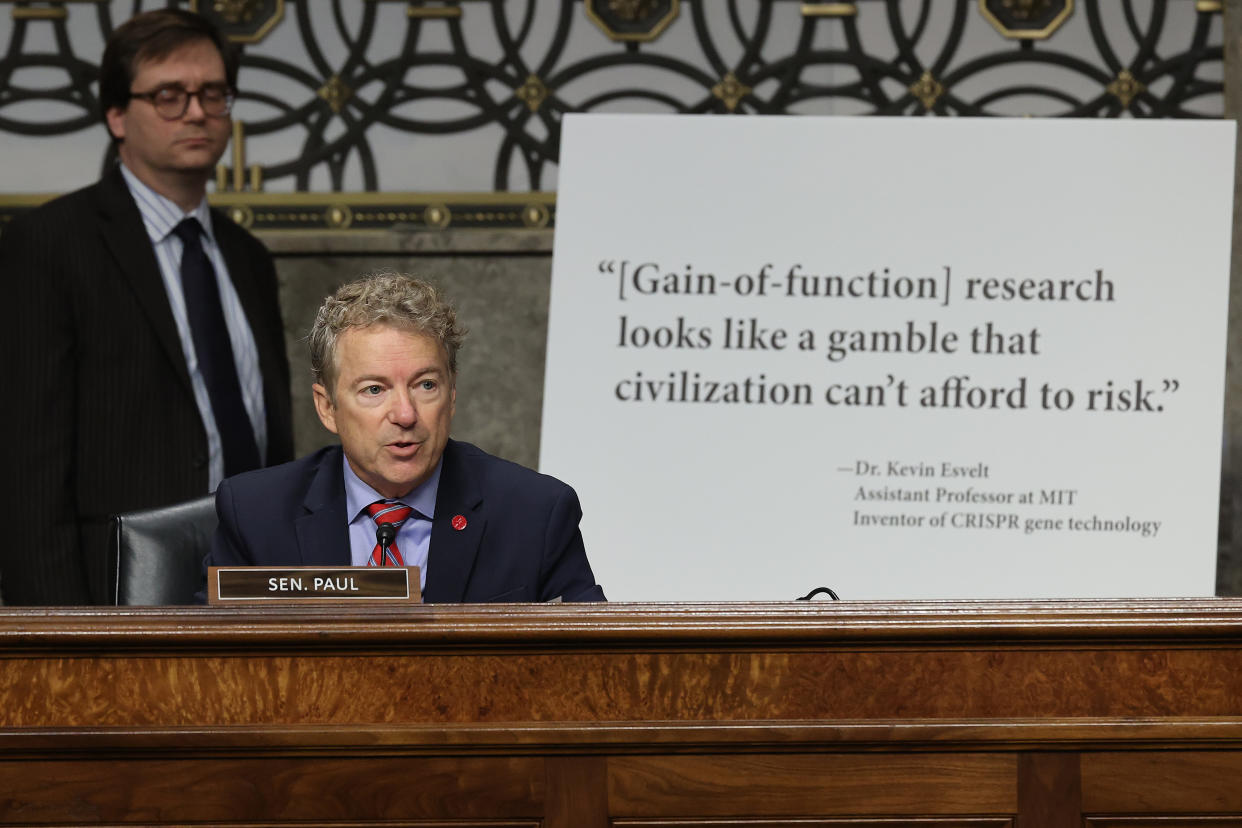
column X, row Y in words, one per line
column 161, row 216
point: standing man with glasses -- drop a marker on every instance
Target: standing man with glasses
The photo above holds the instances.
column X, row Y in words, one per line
column 146, row 337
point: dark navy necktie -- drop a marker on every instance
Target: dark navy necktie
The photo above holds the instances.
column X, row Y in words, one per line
column 215, row 354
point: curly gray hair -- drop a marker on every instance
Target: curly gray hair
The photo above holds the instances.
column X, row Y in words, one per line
column 389, row 298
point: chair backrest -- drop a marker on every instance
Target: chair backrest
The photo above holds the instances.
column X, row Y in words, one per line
column 159, row 552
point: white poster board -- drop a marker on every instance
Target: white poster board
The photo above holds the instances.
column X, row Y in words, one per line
column 900, row 357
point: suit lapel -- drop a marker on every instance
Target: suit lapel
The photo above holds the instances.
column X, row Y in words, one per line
column 450, row 559
column 323, row 532
column 126, row 238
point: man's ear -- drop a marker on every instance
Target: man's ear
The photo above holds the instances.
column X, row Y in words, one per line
column 324, row 407
column 116, row 122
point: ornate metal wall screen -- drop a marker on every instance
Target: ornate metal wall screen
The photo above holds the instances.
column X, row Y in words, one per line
column 329, row 86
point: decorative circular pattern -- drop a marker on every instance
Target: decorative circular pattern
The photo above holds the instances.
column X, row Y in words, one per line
column 1032, row 19
column 340, row 217
column 535, row 215
column 242, row 214
column 437, row 216
column 633, row 20
column 507, row 71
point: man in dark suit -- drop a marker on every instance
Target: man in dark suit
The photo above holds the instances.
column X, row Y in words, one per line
column 481, row 529
column 146, row 336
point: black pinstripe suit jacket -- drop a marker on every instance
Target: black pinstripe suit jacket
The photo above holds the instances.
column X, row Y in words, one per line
column 99, row 416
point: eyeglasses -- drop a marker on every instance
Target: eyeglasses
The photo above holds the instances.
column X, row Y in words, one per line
column 172, row 101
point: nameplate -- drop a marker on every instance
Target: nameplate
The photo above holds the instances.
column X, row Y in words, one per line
column 312, row 584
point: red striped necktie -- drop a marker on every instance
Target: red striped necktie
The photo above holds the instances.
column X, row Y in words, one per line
column 384, row 512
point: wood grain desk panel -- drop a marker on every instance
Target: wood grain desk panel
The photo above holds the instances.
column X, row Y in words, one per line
column 859, row 784
column 180, row 789
column 1181, row 782
column 935, row 714
column 197, row 688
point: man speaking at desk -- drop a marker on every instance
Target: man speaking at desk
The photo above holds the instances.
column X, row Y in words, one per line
column 481, row 529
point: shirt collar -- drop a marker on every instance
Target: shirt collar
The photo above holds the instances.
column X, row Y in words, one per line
column 160, row 214
column 358, row 495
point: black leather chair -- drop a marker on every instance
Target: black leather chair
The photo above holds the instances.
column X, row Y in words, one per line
column 159, row 552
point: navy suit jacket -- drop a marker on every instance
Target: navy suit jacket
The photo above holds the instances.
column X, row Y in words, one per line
column 521, row 540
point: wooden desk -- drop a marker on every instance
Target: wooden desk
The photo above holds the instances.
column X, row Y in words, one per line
column 984, row 714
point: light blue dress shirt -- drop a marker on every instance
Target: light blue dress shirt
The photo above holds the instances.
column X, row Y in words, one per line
column 161, row 216
column 414, row 536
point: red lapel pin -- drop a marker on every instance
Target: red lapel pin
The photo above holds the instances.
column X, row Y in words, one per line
column 459, row 522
